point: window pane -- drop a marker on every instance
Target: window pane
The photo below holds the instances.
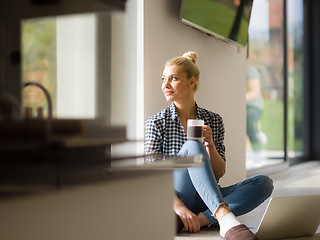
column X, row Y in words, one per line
column 77, row 61
column 60, row 54
column 39, row 57
column 295, row 78
column 265, row 85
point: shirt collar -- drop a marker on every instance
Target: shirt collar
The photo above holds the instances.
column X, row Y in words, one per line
column 173, row 111
column 199, row 112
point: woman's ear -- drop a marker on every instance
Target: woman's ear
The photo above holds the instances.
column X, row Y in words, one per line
column 193, row 81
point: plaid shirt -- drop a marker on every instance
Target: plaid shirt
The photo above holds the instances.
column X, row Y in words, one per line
column 165, row 134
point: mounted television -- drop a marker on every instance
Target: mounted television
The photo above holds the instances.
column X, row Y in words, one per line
column 224, row 19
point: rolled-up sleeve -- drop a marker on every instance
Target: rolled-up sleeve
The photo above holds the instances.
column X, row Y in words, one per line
column 153, row 137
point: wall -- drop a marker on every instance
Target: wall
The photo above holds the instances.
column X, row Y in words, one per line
column 222, row 75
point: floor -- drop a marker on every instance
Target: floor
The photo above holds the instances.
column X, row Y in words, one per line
column 301, row 179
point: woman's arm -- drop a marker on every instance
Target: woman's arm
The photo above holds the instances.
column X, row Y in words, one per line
column 217, row 162
column 153, row 137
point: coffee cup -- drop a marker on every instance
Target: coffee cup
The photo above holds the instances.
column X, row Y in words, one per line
column 195, row 129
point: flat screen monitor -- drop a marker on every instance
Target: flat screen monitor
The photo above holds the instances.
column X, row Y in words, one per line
column 224, row 19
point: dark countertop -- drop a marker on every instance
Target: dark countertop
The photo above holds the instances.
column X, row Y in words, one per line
column 36, row 176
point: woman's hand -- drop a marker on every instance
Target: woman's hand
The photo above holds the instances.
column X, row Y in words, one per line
column 207, row 136
column 189, row 219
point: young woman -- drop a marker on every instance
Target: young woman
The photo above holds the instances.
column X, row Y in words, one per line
column 199, row 199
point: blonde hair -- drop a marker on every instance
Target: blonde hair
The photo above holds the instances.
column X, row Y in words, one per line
column 188, row 63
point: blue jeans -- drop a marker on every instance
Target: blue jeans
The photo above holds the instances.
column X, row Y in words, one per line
column 198, row 189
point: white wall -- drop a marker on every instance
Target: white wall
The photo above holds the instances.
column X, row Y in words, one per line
column 222, row 75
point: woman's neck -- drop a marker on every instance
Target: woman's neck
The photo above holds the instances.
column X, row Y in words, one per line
column 186, row 110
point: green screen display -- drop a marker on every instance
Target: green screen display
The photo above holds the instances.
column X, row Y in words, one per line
column 225, row 19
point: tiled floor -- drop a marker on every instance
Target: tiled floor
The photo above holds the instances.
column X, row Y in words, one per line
column 301, row 179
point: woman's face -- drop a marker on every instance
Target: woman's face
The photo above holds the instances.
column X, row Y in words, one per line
column 175, row 84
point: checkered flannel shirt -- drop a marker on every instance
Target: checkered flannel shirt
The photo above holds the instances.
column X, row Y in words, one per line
column 165, row 134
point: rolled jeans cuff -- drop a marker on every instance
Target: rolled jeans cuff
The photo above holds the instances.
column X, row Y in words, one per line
column 210, row 216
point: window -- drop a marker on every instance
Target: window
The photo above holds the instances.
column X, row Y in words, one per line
column 39, row 62
column 63, row 55
column 265, row 85
column 274, row 90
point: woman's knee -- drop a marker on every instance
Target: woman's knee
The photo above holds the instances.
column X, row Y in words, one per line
column 192, row 148
column 266, row 183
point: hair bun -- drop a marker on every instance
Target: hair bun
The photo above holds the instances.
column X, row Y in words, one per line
column 191, row 55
